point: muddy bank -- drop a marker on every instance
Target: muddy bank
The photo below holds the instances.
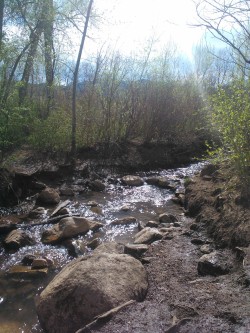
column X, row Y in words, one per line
column 220, row 207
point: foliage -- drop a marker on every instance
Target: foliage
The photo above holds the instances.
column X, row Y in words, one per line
column 230, row 115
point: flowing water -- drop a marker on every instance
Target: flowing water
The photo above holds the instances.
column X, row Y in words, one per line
column 145, row 203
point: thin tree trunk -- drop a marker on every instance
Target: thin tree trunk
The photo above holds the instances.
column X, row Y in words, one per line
column 74, row 89
column 34, row 39
column 48, row 22
column 1, row 21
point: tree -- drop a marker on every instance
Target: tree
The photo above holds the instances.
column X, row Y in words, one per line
column 229, row 22
column 1, row 21
column 75, row 79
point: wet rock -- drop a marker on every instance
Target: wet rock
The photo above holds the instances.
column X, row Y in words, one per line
column 194, row 226
column 177, row 224
column 132, row 180
column 110, row 247
column 167, row 218
column 152, row 224
column 163, row 182
column 124, row 221
column 88, row 287
column 97, row 185
column 38, row 263
column 94, row 243
column 125, row 208
column 19, row 271
column 147, row 236
column 37, row 212
column 59, row 208
column 152, row 180
column 96, row 210
column 16, row 239
column 135, row 250
column 69, row 227
column 141, row 225
column 28, row 259
column 92, row 204
column 48, row 196
column 214, row 263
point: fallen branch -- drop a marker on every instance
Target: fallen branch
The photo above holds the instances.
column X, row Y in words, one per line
column 51, row 220
column 104, row 317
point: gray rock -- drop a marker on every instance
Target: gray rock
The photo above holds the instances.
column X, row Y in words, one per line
column 69, row 227
column 39, row 263
column 214, row 263
column 167, row 218
column 88, row 287
column 135, row 250
column 124, row 221
column 48, row 196
column 97, row 185
column 206, row 248
column 109, row 247
column 16, row 239
column 132, row 180
column 94, row 243
column 36, row 213
column 154, row 180
column 147, row 236
column 152, row 224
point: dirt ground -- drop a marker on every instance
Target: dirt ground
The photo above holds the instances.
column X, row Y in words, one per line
column 179, row 299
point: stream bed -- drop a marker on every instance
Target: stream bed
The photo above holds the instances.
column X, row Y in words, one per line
column 145, row 203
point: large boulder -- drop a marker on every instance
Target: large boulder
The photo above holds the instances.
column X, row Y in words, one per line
column 88, row 287
column 69, row 227
column 147, row 236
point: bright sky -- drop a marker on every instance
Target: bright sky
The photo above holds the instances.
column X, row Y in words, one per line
column 130, row 23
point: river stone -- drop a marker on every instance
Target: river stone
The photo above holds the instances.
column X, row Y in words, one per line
column 135, row 250
column 147, row 236
column 19, row 271
column 37, row 212
column 124, row 221
column 97, row 185
column 94, row 243
column 132, row 180
column 69, row 227
column 48, row 196
column 16, row 239
column 214, row 263
column 152, row 224
column 153, row 180
column 110, row 247
column 167, row 218
column 88, row 287
column 39, row 263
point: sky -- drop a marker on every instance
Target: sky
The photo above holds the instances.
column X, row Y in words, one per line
column 128, row 25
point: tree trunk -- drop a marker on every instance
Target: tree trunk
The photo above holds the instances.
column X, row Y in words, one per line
column 34, row 39
column 48, row 21
column 73, row 139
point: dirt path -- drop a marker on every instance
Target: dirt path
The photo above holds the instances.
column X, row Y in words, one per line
column 180, row 300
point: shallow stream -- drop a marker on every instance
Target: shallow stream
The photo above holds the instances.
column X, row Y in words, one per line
column 145, row 203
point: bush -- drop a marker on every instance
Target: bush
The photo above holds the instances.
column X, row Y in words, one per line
column 230, row 115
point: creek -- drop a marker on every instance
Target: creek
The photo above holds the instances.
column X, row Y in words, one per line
column 145, row 203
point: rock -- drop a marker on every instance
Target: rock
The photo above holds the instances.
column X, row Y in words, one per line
column 125, row 208
column 147, row 236
column 214, row 263
column 132, row 180
column 48, row 196
column 110, row 247
column 19, row 271
column 88, row 287
column 39, row 263
column 135, row 250
column 92, row 204
column 167, row 218
column 37, row 185
column 154, row 180
column 124, row 221
column 97, row 210
column 94, row 243
column 59, row 208
column 163, row 182
column 141, row 225
column 206, row 249
column 28, row 259
column 67, row 191
column 152, row 224
column 36, row 213
column 177, row 225
column 97, row 185
column 194, row 226
column 16, row 239
column 69, row 227
column 7, row 228
column 197, row 241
